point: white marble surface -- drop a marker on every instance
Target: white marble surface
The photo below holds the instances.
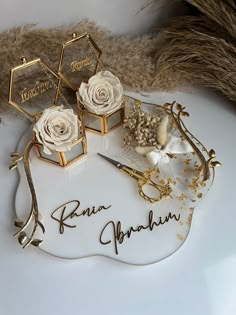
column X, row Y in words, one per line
column 200, row 278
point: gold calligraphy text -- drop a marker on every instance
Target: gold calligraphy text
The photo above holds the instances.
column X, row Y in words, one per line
column 78, row 65
column 118, row 235
column 40, row 87
column 68, row 211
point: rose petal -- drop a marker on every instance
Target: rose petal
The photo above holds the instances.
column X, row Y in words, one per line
column 103, row 94
column 56, row 129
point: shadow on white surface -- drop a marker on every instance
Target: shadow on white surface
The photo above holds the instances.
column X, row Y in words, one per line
column 221, row 279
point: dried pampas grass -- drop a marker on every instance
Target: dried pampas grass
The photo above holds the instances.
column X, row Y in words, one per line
column 222, row 12
column 128, row 58
column 200, row 50
column 197, row 50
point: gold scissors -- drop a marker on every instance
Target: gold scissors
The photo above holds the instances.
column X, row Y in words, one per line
column 148, row 189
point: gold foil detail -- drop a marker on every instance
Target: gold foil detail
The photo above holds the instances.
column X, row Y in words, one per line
column 33, row 218
column 180, row 237
column 78, row 65
column 190, row 138
column 40, row 87
column 119, row 236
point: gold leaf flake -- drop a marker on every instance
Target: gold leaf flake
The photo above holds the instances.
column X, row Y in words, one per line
column 171, row 181
column 187, row 161
column 180, row 237
column 196, row 173
column 189, row 220
column 200, row 168
column 188, row 170
column 182, row 197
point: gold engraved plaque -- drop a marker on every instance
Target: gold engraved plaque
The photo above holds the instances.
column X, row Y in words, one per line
column 39, row 88
column 79, row 65
column 33, row 87
column 79, row 60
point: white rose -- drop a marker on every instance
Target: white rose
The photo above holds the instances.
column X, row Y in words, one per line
column 103, row 94
column 57, row 129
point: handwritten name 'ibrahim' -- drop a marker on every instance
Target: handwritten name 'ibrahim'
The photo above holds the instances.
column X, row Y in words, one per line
column 118, row 235
column 63, row 214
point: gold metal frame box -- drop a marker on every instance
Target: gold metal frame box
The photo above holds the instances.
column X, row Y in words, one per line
column 79, row 60
column 101, row 124
column 78, row 150
column 33, row 88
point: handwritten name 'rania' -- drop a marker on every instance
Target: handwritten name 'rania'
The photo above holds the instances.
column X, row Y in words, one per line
column 69, row 210
column 78, row 65
column 118, row 235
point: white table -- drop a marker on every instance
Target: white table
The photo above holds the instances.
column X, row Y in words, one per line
column 200, row 278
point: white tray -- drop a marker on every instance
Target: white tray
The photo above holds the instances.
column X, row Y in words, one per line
column 95, row 184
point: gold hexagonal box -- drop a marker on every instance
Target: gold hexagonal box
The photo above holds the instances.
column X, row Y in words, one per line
column 101, row 124
column 79, row 60
column 34, row 86
column 78, row 150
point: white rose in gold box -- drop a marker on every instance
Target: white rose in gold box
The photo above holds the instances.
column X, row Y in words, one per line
column 57, row 129
column 103, row 94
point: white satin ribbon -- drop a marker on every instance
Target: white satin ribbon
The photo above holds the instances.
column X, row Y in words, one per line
column 175, row 145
